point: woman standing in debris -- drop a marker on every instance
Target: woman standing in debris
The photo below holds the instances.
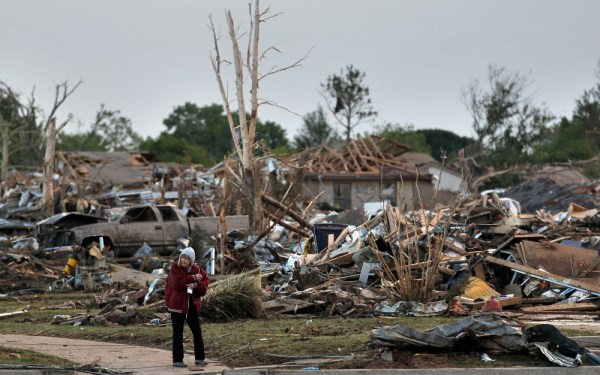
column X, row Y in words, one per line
column 186, row 283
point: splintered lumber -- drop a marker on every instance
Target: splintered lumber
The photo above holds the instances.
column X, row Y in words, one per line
column 14, row 313
column 287, row 226
column 529, row 236
column 452, row 246
column 542, row 300
column 339, row 261
column 367, row 225
column 288, row 305
column 122, row 274
column 339, row 239
column 562, row 307
column 269, row 200
column 557, row 279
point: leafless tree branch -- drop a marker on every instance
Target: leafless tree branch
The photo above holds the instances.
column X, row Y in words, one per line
column 295, row 64
column 61, row 93
column 216, row 64
column 273, row 104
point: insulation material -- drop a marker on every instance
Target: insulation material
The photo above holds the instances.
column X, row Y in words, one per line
column 477, row 288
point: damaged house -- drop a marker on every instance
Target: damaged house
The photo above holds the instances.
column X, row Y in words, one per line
column 372, row 169
column 99, row 170
column 445, row 179
column 110, row 178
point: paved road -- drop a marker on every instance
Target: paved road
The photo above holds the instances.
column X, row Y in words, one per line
column 125, row 358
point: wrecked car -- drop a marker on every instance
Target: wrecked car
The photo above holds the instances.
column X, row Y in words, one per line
column 160, row 226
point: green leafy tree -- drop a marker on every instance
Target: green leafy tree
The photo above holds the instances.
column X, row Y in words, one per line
column 565, row 143
column 115, row 131
column 507, row 124
column 444, row 142
column 208, row 128
column 578, row 138
column 407, row 135
column 273, row 135
column 587, row 109
column 315, row 130
column 79, row 141
column 10, row 125
column 348, row 99
column 22, row 133
column 170, row 148
column 205, row 127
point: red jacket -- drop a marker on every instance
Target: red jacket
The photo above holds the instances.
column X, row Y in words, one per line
column 176, row 296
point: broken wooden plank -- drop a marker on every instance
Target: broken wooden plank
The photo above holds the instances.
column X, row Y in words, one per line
column 287, row 305
column 529, row 236
column 562, row 307
column 121, row 274
column 452, row 246
column 287, row 226
column 541, row 300
column 340, row 260
column 273, row 202
column 560, row 280
column 478, row 271
column 14, row 313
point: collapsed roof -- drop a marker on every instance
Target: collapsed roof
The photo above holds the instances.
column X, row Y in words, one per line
column 363, row 156
column 128, row 170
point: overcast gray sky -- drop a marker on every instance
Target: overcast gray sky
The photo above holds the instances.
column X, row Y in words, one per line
column 144, row 57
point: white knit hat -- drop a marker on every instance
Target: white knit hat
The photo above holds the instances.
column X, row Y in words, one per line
column 190, row 253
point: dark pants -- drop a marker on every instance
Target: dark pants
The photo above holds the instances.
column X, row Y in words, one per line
column 177, row 321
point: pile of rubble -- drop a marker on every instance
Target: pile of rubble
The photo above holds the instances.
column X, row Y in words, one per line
column 482, row 254
column 479, row 248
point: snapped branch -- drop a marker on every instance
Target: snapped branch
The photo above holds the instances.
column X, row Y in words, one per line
column 61, row 93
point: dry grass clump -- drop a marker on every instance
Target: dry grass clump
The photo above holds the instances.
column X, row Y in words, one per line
column 236, row 297
column 417, row 254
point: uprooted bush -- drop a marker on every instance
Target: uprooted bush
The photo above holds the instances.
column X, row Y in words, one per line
column 236, row 297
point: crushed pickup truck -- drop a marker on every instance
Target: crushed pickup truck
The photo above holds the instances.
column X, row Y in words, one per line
column 160, row 226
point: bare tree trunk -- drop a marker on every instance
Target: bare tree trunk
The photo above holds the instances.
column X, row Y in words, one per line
column 243, row 134
column 48, row 166
column 223, row 225
column 27, row 115
column 61, row 94
column 256, row 214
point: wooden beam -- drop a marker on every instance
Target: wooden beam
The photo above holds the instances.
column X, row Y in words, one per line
column 8, row 314
column 562, row 307
column 287, row 226
column 267, row 199
column 546, row 275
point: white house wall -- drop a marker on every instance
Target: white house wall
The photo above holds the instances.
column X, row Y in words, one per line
column 448, row 181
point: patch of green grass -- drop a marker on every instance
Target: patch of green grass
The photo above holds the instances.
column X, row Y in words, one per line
column 250, row 342
column 21, row 357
